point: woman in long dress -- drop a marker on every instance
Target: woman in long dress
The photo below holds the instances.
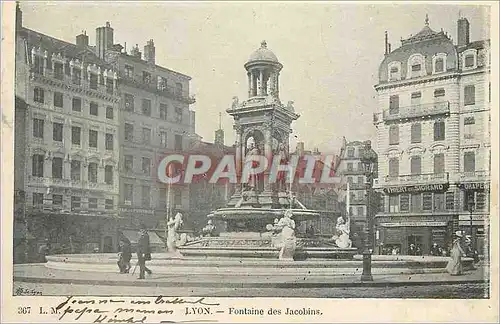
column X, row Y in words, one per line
column 454, row 266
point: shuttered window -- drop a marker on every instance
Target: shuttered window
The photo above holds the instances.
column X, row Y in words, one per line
column 439, row 163
column 469, row 162
column 416, row 133
column 416, row 165
column 393, row 104
column 394, row 167
column 439, row 131
column 394, row 135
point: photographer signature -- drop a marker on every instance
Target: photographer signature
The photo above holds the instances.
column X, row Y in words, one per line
column 21, row 291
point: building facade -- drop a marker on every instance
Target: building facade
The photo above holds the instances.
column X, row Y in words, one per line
column 155, row 119
column 433, row 140
column 70, row 143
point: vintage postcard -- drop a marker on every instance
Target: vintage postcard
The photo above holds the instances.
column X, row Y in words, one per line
column 168, row 162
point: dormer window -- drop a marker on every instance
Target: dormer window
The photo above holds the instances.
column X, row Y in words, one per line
column 469, row 61
column 439, row 65
column 394, row 71
column 416, row 67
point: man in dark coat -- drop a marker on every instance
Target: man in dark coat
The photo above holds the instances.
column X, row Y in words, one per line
column 143, row 251
column 124, row 254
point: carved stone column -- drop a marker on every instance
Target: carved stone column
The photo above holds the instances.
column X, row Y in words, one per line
column 249, row 84
column 268, row 153
column 261, row 87
column 239, row 154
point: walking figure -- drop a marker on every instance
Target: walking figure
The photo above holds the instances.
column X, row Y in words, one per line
column 143, row 252
column 124, row 254
column 454, row 266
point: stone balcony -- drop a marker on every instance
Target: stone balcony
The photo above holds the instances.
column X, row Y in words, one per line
column 483, row 175
column 75, row 184
column 417, row 111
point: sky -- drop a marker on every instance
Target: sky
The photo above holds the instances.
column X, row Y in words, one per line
column 330, row 51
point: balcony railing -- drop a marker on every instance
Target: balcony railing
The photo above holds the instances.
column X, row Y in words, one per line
column 168, row 91
column 475, row 175
column 414, row 111
column 357, row 186
column 417, row 178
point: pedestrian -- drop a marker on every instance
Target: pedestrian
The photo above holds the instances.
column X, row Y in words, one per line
column 43, row 251
column 124, row 254
column 435, row 250
column 143, row 251
column 454, row 266
column 412, row 250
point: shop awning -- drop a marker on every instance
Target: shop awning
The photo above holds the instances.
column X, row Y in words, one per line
column 414, row 224
column 133, row 236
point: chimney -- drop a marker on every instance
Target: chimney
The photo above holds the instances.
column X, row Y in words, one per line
column 135, row 51
column 463, row 32
column 82, row 40
column 300, row 148
column 386, row 44
column 103, row 40
column 149, row 52
column 19, row 17
column 389, row 47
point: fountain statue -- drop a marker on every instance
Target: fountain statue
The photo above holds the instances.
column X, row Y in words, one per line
column 284, row 231
column 252, row 152
column 341, row 238
column 209, row 229
column 173, row 226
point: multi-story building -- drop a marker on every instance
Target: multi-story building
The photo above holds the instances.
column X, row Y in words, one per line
column 433, row 133
column 353, row 180
column 70, row 142
column 155, row 119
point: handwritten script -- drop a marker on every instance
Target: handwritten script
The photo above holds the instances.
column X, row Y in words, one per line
column 117, row 310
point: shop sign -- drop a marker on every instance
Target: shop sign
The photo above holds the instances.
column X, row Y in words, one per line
column 137, row 210
column 414, row 224
column 417, row 188
column 478, row 186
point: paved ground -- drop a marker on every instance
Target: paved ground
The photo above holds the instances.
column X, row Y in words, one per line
column 36, row 278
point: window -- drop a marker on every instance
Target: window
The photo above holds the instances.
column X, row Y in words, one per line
column 109, row 112
column 439, row 65
column 77, row 76
column 38, row 65
column 93, row 138
column 394, row 73
column 109, row 204
column 427, row 201
column 57, row 132
column 92, row 203
column 93, row 172
column 39, row 95
column 94, row 109
column 108, row 174
column 416, row 133
column 349, row 167
column 469, row 95
column 393, row 135
column 404, row 202
column 178, row 142
column 146, row 77
column 76, row 135
column 57, row 168
column 163, row 139
column 75, row 202
column 352, row 196
column 93, row 81
column 178, row 89
column 439, row 93
column 350, row 211
column 162, row 84
column 469, row 127
column 469, row 162
column 450, row 201
column 129, row 132
column 77, row 104
column 480, row 200
column 38, row 125
column 109, row 86
column 350, row 152
column 146, row 107
column 178, row 114
column 129, row 102
column 393, row 167
column 146, row 198
column 360, row 166
column 37, row 165
column 177, row 197
column 439, row 163
column 75, row 170
column 58, row 71
column 350, row 180
column 394, row 204
column 128, row 162
column 393, row 104
column 360, row 180
column 469, row 60
column 146, row 165
column 416, row 67
column 439, row 202
column 129, row 71
column 416, row 202
column 37, row 199
column 109, row 142
column 361, row 211
column 415, row 98
column 57, row 200
column 58, row 99
column 146, row 135
column 162, row 199
column 163, row 111
column 129, row 193
column 439, row 131
column 416, row 165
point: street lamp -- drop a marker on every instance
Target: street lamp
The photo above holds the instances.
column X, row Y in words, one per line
column 368, row 159
column 471, row 210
